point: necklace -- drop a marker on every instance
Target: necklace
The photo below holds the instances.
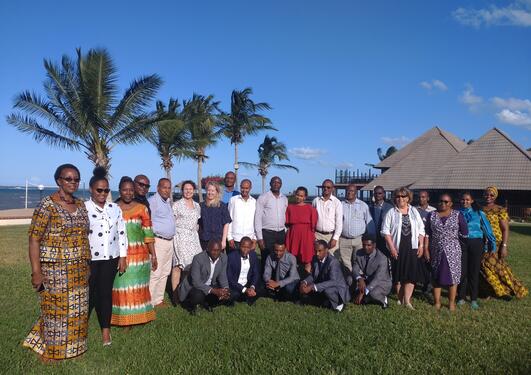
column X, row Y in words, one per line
column 71, row 201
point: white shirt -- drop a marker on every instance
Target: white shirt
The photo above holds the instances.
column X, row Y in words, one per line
column 212, row 267
column 242, row 214
column 329, row 215
column 392, row 225
column 244, row 270
column 107, row 234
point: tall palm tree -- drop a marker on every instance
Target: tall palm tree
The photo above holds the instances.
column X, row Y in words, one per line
column 169, row 135
column 81, row 107
column 269, row 151
column 244, row 119
column 201, row 118
column 390, row 151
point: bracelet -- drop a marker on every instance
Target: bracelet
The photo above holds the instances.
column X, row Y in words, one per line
column 504, row 245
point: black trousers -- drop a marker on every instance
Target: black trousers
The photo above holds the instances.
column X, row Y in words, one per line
column 237, row 296
column 270, row 238
column 470, row 267
column 321, row 299
column 197, row 297
column 102, row 273
column 287, row 293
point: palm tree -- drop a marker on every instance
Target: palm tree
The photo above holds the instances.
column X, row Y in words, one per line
column 201, row 118
column 169, row 135
column 81, row 107
column 269, row 151
column 390, row 151
column 244, row 120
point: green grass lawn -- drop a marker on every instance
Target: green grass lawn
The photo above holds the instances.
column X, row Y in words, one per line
column 283, row 338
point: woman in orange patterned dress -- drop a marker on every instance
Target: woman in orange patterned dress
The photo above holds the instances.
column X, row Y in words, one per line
column 494, row 267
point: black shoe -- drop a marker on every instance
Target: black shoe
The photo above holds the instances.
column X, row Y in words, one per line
column 230, row 304
column 208, row 308
column 385, row 306
column 175, row 297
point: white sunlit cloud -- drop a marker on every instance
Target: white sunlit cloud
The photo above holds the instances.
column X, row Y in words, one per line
column 306, row 153
column 517, row 13
column 469, row 98
column 514, row 111
column 435, row 84
column 396, row 141
column 516, row 118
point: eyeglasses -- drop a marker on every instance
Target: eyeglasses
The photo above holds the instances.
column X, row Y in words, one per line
column 402, row 196
column 145, row 186
column 106, row 191
column 327, row 187
column 444, row 202
column 70, row 180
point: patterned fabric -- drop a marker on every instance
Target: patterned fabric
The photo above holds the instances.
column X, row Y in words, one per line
column 61, row 330
column 444, row 242
column 494, row 270
column 131, row 300
column 62, row 235
column 186, row 240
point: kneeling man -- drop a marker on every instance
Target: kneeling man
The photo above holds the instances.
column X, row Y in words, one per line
column 325, row 286
column 280, row 274
column 370, row 269
column 243, row 273
column 207, row 283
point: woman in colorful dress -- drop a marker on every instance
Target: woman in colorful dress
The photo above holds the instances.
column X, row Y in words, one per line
column 108, row 247
column 131, row 300
column 59, row 254
column 301, row 219
column 186, row 241
column 494, row 267
column 215, row 217
column 473, row 248
column 444, row 229
column 403, row 230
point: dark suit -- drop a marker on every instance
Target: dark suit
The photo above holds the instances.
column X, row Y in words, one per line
column 330, row 288
column 234, row 265
column 284, row 271
column 194, row 290
column 378, row 219
column 376, row 273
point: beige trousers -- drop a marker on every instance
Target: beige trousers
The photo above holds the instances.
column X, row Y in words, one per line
column 347, row 249
column 158, row 278
column 327, row 238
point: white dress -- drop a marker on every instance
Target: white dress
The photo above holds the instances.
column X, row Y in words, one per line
column 186, row 240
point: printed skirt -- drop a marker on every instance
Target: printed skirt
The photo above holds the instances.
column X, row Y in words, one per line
column 499, row 276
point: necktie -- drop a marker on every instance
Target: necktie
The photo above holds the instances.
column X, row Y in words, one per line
column 366, row 264
column 277, row 271
column 245, row 257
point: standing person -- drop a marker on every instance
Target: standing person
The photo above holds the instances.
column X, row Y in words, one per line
column 59, row 253
column 329, row 216
column 243, row 273
column 207, row 283
column 301, row 219
column 186, row 241
column 424, row 210
column 403, row 230
column 280, row 274
column 444, row 228
column 473, row 248
column 424, row 207
column 228, row 190
column 163, row 222
column 215, row 218
column 357, row 220
column 378, row 208
column 494, row 267
column 131, row 300
column 325, row 285
column 108, row 247
column 270, row 219
column 241, row 210
column 142, row 190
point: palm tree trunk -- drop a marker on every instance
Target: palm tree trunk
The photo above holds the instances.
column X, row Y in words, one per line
column 263, row 183
column 236, row 163
column 199, row 177
column 168, row 173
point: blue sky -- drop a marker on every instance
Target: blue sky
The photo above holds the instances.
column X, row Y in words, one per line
column 343, row 77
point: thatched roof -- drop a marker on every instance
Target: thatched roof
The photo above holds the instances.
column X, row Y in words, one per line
column 493, row 159
column 419, row 158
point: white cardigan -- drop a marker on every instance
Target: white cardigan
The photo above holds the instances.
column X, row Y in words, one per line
column 392, row 225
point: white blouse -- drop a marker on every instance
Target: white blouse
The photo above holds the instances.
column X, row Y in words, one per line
column 107, row 235
column 392, row 225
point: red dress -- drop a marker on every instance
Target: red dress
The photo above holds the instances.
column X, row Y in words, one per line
column 301, row 221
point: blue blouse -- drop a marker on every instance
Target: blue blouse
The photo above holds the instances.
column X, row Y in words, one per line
column 212, row 221
column 479, row 227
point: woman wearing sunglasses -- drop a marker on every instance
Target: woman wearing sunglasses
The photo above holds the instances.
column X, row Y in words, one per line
column 108, row 247
column 444, row 229
column 494, row 267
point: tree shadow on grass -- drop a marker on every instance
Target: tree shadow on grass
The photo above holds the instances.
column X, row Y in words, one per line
column 521, row 229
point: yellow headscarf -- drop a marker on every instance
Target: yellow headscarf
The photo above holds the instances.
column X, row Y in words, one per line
column 493, row 190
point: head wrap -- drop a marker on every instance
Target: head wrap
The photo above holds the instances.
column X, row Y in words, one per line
column 493, row 190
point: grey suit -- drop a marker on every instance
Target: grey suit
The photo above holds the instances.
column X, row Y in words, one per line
column 200, row 272
column 375, row 272
column 327, row 279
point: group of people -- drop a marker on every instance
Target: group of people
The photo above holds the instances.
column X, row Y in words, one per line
column 116, row 257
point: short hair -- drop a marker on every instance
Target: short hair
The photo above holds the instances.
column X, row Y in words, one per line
column 322, row 243
column 62, row 167
column 213, row 242
column 245, row 239
column 275, row 178
column 279, row 244
column 425, row 191
column 188, row 182
column 328, row 180
column 447, row 194
column 475, row 206
column 368, row 237
column 98, row 174
column 230, row 172
column 246, row 180
column 161, row 180
column 125, row 180
column 404, row 191
column 378, row 187
column 302, row 188
column 141, row 176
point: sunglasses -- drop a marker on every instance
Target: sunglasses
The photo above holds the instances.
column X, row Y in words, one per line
column 402, row 196
column 327, row 187
column 106, row 191
column 145, row 186
column 444, row 202
column 70, row 180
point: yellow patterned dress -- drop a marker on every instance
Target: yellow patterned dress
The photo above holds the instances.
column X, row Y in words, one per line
column 496, row 271
column 61, row 330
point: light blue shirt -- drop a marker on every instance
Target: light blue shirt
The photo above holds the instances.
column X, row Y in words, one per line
column 162, row 218
column 356, row 219
column 227, row 195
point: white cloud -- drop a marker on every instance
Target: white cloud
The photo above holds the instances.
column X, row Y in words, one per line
column 426, row 85
column 396, row 141
column 516, row 118
column 514, row 111
column 434, row 84
column 306, row 153
column 518, row 13
column 514, row 104
column 470, row 99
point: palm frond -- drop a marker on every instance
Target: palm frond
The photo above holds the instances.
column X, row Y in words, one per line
column 284, row 166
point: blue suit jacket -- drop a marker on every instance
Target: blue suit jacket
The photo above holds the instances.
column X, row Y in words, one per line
column 234, row 267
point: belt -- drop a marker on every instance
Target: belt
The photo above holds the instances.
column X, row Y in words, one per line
column 318, row 231
column 163, row 238
column 351, row 238
column 273, row 231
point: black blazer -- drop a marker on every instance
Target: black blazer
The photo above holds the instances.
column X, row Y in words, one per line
column 234, row 265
